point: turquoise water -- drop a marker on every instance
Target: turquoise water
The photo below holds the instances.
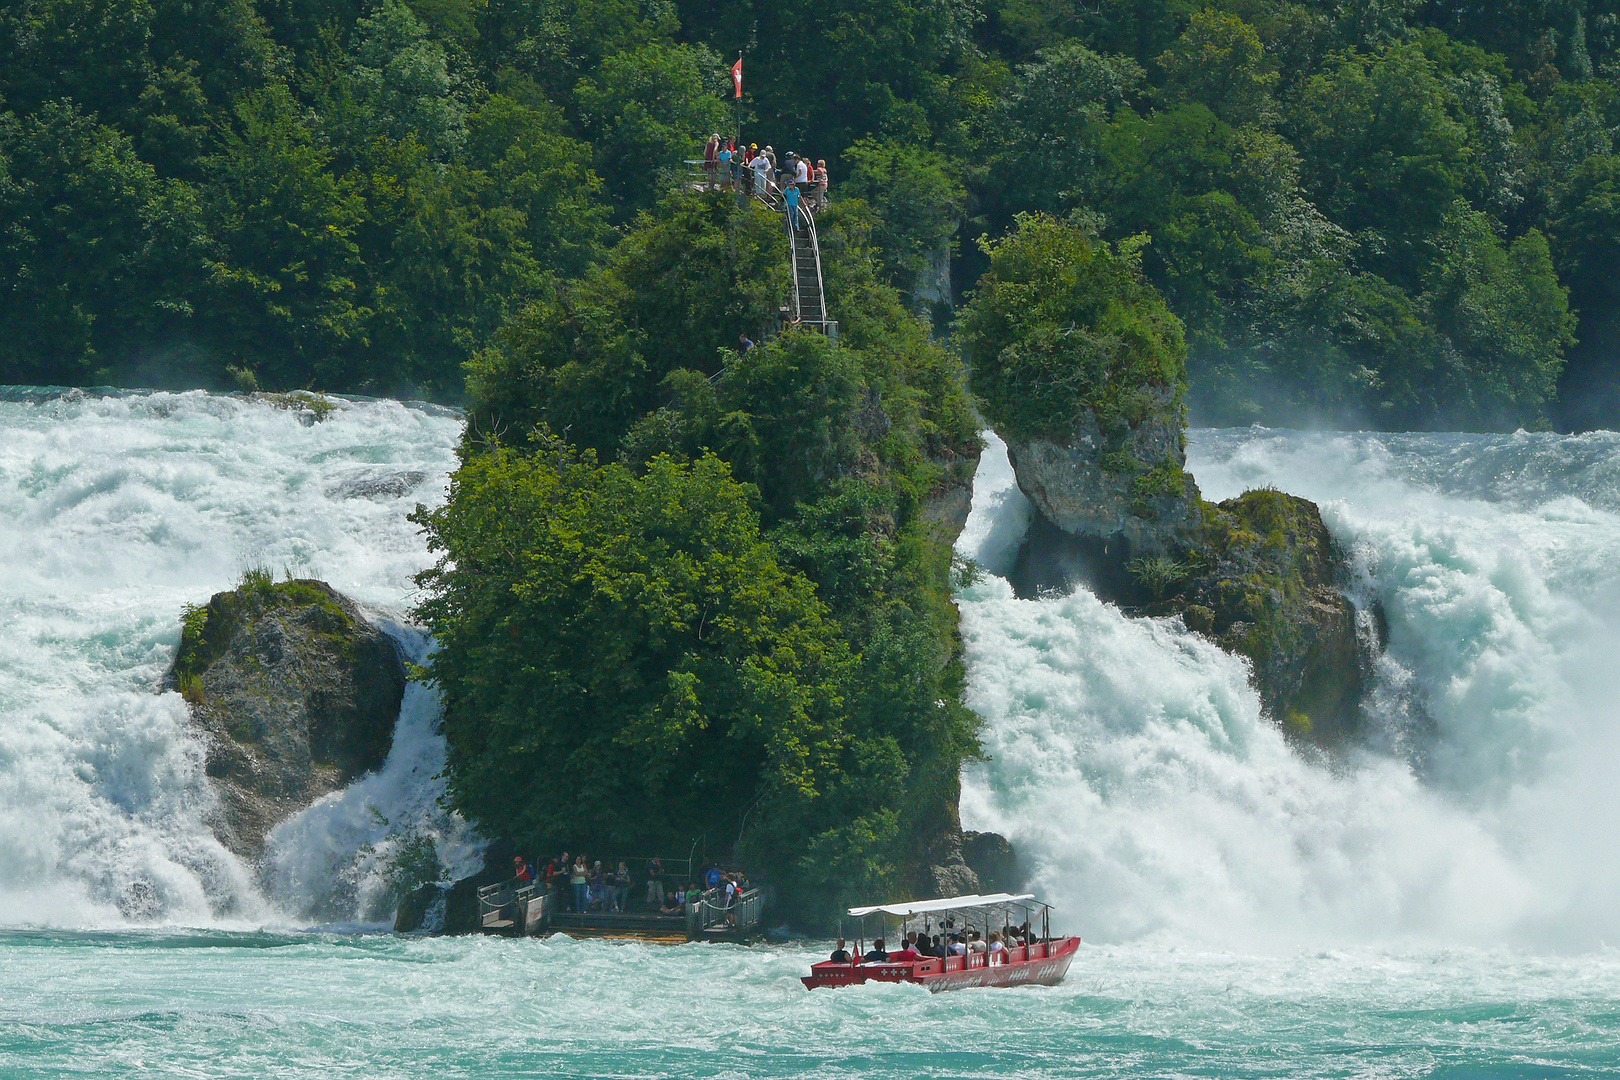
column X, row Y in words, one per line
column 1440, row 900
column 222, row 1004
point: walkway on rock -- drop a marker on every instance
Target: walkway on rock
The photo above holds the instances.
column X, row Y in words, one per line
column 807, row 304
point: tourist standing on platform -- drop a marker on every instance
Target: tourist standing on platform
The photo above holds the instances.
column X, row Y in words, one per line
column 655, row 882
column 728, row 169
column 821, row 184
column 762, row 176
column 711, row 158
column 621, row 887
column 580, row 878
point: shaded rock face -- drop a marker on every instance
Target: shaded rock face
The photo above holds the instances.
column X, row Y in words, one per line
column 993, row 860
column 453, row 909
column 296, row 695
column 1264, row 580
column 1125, row 486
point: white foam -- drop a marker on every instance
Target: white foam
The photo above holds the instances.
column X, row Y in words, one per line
column 1131, row 765
column 114, row 513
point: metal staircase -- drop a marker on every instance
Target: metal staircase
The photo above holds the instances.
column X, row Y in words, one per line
column 807, row 303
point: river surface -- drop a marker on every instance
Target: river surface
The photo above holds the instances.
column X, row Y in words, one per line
column 1443, row 901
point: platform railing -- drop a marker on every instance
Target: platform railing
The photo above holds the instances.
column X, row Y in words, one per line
column 744, row 912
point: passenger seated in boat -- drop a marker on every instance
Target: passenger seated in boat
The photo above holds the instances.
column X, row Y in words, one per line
column 973, row 943
column 998, row 951
column 878, row 954
column 839, row 955
column 907, row 953
column 957, row 947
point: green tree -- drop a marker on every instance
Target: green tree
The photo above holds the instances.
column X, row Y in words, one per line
column 1504, row 309
column 1220, row 62
column 650, row 109
column 288, row 304
column 587, row 357
column 520, row 141
column 1062, row 324
column 404, row 76
column 1044, row 133
column 918, row 202
column 1382, row 155
column 608, row 641
column 100, row 259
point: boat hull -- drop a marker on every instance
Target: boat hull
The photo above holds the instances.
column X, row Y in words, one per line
column 1035, row 965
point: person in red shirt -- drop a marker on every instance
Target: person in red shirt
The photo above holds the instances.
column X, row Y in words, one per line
column 521, row 871
column 909, row 952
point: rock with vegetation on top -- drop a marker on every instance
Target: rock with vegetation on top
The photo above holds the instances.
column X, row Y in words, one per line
column 295, row 693
column 1123, row 486
column 1081, row 367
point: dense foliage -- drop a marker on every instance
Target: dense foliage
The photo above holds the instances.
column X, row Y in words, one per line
column 694, row 593
column 1062, row 325
column 1395, row 211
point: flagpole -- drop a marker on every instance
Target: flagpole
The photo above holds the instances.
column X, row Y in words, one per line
column 736, row 103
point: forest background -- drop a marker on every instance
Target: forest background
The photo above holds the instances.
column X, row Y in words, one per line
column 1380, row 212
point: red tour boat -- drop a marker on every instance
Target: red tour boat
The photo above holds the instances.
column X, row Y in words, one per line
column 1018, row 955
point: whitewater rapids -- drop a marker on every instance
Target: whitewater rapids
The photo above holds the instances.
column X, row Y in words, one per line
column 1130, row 764
column 1126, row 758
column 117, row 511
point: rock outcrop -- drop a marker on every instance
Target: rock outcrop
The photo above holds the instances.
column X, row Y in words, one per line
column 1263, row 578
column 1259, row 574
column 1124, row 486
column 295, row 694
column 993, row 860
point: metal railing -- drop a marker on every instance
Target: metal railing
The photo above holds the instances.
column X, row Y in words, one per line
column 748, row 183
column 743, row 912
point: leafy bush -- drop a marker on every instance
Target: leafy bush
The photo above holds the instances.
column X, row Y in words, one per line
column 1062, row 325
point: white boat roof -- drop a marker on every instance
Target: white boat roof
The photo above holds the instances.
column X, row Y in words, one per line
column 949, row 903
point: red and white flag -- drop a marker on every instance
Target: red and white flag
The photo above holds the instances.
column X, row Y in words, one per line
column 736, row 75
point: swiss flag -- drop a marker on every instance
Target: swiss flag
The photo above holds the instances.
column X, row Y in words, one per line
column 736, row 75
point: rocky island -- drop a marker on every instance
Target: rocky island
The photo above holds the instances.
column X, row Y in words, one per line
column 1081, row 367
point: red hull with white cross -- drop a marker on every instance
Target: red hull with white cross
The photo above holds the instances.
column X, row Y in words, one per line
column 1038, row 964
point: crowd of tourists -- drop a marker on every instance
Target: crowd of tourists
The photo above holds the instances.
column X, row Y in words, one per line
column 921, row 946
column 583, row 885
column 753, row 168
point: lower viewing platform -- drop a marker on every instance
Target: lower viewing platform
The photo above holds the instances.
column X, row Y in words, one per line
column 518, row 910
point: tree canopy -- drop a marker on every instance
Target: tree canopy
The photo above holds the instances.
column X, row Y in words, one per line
column 363, row 195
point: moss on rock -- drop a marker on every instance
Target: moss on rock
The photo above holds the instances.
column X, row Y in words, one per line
column 295, row 693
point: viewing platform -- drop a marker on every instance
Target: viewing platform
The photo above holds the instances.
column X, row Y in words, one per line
column 514, row 909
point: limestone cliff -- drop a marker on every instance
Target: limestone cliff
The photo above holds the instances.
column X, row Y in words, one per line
column 1121, row 482
column 295, row 694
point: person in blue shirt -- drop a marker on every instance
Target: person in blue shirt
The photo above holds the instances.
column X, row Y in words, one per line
column 712, row 878
column 791, row 194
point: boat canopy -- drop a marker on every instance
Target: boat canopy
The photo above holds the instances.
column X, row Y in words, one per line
column 909, row 908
